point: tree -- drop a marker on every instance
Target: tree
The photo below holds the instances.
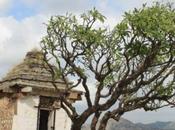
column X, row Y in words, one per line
column 132, row 65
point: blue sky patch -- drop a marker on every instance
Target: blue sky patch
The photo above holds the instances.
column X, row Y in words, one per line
column 19, row 10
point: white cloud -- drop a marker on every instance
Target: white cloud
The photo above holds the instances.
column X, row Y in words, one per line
column 5, row 35
column 18, row 37
column 59, row 6
column 4, row 5
column 127, row 5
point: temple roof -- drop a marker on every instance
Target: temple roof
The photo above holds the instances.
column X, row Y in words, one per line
column 33, row 67
column 32, row 72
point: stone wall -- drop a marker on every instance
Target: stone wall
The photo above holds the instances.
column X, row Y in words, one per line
column 6, row 113
column 63, row 122
column 26, row 117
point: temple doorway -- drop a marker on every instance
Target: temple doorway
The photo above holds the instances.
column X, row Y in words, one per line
column 44, row 116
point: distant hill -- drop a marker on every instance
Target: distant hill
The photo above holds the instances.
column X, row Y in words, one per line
column 159, row 125
column 124, row 124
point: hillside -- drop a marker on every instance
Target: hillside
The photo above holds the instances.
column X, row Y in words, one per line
column 124, row 124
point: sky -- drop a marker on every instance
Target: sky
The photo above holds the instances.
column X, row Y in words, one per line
column 22, row 27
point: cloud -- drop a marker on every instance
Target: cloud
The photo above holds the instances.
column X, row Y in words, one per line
column 4, row 5
column 127, row 5
column 59, row 6
column 18, row 37
column 5, row 35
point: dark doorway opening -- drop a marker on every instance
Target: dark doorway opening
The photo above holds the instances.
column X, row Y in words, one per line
column 43, row 123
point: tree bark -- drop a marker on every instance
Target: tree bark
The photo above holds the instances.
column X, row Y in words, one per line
column 95, row 120
column 75, row 127
column 104, row 121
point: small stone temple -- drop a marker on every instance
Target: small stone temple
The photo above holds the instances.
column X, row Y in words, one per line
column 28, row 100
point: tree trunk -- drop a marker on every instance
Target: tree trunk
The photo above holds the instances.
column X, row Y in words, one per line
column 104, row 121
column 95, row 120
column 103, row 125
column 75, row 126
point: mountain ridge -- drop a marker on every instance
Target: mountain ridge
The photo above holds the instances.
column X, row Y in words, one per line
column 125, row 124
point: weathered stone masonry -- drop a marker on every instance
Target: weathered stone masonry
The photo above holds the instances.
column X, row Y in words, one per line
column 28, row 100
column 7, row 107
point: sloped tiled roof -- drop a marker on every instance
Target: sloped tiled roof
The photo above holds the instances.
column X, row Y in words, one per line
column 32, row 72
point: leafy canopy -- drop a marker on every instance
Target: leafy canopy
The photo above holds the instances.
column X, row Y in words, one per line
column 132, row 65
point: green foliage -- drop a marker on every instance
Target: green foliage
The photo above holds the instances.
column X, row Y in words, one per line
column 135, row 60
column 148, row 25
